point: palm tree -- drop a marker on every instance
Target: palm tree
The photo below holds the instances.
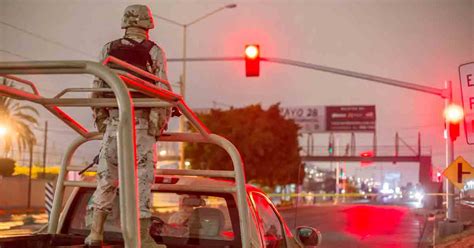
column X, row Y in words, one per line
column 18, row 119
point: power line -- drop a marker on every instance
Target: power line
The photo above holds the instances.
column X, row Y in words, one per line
column 62, row 131
column 28, row 58
column 15, row 54
column 46, row 39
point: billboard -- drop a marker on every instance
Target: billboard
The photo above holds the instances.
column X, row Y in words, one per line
column 311, row 119
column 318, row 119
column 350, row 118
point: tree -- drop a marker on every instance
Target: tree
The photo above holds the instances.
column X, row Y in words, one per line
column 7, row 167
column 267, row 142
column 18, row 119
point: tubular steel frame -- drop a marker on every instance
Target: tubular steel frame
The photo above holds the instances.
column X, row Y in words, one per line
column 120, row 83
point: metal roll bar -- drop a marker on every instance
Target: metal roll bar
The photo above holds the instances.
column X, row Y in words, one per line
column 101, row 102
column 65, row 91
column 126, row 149
column 35, row 97
column 120, row 83
column 59, row 190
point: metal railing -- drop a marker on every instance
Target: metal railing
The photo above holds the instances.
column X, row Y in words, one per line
column 120, row 84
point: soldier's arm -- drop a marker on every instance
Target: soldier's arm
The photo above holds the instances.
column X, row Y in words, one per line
column 159, row 116
column 100, row 114
column 159, row 63
column 98, row 83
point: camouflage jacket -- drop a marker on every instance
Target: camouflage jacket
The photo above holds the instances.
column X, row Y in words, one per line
column 158, row 117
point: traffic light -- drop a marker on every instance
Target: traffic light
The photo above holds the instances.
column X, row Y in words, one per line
column 331, row 149
column 438, row 176
column 367, row 154
column 454, row 131
column 366, row 161
column 454, row 114
column 252, row 60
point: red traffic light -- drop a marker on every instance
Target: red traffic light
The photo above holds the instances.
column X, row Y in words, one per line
column 454, row 113
column 252, row 60
column 367, row 154
column 251, row 51
column 454, row 130
column 366, row 158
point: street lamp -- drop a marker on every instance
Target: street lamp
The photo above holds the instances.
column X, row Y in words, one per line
column 185, row 28
column 3, row 130
column 183, row 76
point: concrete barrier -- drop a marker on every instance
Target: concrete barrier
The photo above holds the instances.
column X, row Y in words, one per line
column 14, row 192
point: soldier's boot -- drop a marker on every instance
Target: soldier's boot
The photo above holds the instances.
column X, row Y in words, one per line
column 97, row 229
column 146, row 240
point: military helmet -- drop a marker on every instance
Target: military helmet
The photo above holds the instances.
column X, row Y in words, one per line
column 137, row 16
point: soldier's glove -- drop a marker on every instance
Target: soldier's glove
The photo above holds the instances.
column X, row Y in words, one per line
column 157, row 226
column 175, row 112
column 95, row 161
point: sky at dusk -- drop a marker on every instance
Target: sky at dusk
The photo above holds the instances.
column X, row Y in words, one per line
column 419, row 41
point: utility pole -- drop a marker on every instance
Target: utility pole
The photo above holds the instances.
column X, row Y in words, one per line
column 30, row 144
column 185, row 26
column 45, row 146
column 449, row 156
column 338, row 166
column 182, row 120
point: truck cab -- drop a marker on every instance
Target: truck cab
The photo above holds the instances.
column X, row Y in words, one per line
column 192, row 212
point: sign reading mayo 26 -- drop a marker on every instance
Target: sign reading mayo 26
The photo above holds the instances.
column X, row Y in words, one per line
column 466, row 76
column 311, row 119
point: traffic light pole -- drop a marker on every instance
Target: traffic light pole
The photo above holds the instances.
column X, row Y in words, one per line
column 449, row 156
column 401, row 84
column 445, row 93
column 182, row 121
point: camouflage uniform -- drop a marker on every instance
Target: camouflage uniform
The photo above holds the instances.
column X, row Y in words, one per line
column 149, row 124
column 136, row 49
column 107, row 173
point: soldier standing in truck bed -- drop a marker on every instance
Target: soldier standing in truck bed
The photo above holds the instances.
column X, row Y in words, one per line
column 134, row 48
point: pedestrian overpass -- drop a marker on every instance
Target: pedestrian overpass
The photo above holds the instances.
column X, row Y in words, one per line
column 387, row 154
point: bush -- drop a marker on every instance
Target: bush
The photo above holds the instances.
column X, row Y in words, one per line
column 7, row 167
column 47, row 176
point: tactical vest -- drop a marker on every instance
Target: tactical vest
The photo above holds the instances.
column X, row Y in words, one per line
column 134, row 53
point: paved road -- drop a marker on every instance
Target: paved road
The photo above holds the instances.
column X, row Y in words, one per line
column 364, row 226
column 21, row 224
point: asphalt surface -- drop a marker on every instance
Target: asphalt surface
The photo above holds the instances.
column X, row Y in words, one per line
column 21, row 224
column 351, row 226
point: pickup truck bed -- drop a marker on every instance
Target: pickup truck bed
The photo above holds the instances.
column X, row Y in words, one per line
column 47, row 241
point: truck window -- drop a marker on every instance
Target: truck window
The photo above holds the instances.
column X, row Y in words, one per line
column 269, row 222
column 179, row 219
column 80, row 216
column 191, row 215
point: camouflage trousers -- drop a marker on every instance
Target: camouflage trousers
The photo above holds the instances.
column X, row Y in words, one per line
column 107, row 170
